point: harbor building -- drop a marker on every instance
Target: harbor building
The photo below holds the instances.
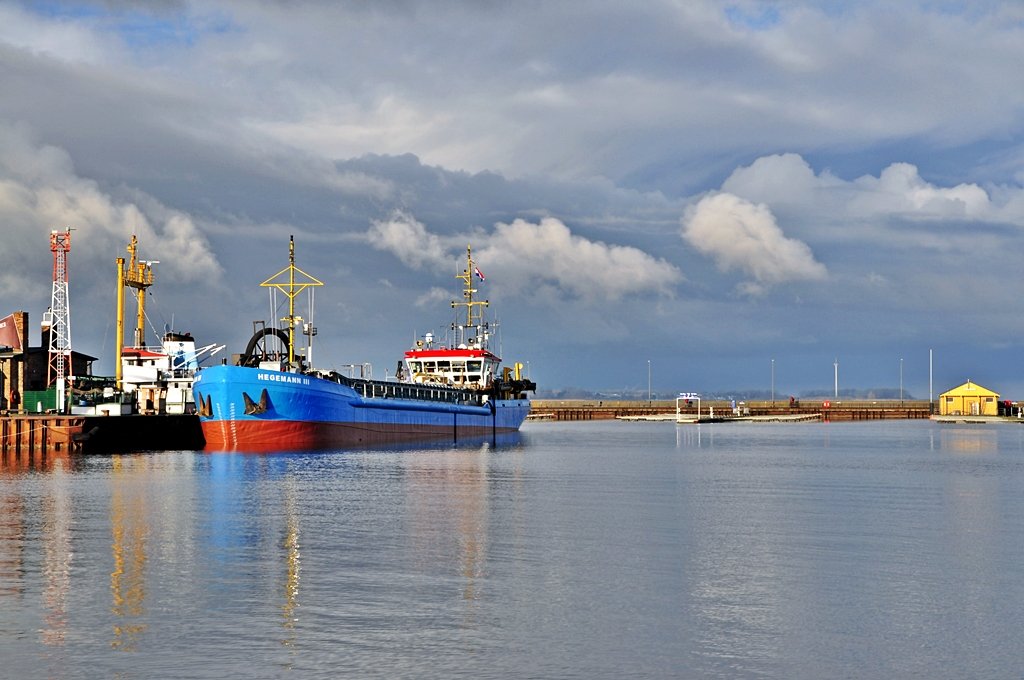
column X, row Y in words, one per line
column 969, row 399
column 24, row 379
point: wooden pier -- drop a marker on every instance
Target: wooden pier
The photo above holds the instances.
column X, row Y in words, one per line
column 26, row 434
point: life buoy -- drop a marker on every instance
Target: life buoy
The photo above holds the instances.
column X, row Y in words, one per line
column 826, row 404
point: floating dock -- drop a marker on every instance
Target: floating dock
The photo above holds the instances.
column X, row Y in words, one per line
column 978, row 420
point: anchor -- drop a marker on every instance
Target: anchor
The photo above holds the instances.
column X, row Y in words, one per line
column 253, row 408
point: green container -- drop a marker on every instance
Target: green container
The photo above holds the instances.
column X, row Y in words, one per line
column 32, row 399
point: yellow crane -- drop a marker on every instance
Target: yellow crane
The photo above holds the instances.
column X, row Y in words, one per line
column 138, row 275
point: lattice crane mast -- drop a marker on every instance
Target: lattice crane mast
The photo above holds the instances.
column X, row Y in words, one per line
column 60, row 316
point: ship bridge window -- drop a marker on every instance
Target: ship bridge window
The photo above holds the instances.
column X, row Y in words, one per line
column 473, row 366
column 444, row 366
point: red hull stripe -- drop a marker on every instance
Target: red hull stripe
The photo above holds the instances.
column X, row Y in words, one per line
column 285, row 435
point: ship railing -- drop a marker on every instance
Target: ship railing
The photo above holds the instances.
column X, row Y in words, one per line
column 375, row 389
column 381, row 389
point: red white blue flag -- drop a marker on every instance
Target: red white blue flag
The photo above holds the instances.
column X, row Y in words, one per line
column 479, row 273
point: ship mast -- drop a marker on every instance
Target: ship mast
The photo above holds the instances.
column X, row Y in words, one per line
column 291, row 288
column 137, row 275
column 474, row 308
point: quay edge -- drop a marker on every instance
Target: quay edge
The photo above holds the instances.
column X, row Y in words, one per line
column 34, row 434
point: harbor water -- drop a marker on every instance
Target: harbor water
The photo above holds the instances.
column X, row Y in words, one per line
column 603, row 549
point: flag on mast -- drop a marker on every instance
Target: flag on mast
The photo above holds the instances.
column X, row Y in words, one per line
column 479, row 273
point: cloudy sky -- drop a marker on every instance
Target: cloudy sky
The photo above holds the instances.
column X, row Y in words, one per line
column 705, row 188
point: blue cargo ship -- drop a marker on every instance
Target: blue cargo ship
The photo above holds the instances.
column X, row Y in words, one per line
column 273, row 400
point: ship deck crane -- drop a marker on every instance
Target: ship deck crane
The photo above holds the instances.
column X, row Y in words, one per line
column 138, row 274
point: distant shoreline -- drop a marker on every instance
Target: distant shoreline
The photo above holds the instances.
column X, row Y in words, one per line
column 751, row 411
column 827, row 410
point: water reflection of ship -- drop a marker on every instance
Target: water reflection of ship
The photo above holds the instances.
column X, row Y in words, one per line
column 130, row 530
column 472, row 528
column 448, row 496
column 289, row 610
column 233, row 531
column 57, row 514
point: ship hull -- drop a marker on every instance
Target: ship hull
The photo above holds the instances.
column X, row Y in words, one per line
column 252, row 409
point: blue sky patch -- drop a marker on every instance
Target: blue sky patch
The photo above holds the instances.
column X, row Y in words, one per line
column 163, row 25
column 757, row 20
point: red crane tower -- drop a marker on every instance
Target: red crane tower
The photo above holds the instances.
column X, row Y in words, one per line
column 60, row 316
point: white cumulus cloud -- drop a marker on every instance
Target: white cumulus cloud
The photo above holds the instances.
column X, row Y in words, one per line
column 408, row 239
column 900, row 189
column 740, row 235
column 776, row 179
column 40, row 191
column 549, row 251
column 524, row 254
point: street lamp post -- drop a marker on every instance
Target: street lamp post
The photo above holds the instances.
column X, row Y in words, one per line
column 901, row 381
column 931, row 392
column 835, row 365
column 648, row 382
column 773, row 383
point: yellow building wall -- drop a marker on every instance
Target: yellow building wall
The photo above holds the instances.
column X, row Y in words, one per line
column 969, row 399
